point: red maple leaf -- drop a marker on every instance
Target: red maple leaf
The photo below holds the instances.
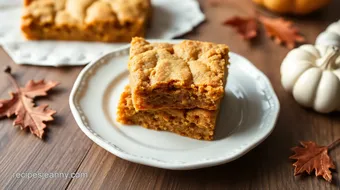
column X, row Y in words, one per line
column 246, row 27
column 312, row 157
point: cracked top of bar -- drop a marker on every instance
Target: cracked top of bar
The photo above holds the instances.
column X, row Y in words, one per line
column 82, row 12
column 187, row 64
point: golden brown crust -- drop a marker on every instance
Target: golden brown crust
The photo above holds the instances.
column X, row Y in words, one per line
column 194, row 123
column 90, row 20
column 184, row 76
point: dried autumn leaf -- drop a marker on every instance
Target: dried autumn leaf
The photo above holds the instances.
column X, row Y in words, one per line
column 282, row 31
column 313, row 157
column 246, row 27
column 39, row 88
column 21, row 104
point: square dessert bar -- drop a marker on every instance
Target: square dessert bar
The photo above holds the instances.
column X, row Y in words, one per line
column 88, row 20
column 193, row 123
column 187, row 75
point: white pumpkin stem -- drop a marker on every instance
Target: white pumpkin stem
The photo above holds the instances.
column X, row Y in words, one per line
column 328, row 60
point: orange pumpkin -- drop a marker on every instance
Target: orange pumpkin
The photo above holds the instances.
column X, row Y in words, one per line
column 299, row 7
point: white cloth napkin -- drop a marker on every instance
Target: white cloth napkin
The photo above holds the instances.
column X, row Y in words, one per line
column 171, row 18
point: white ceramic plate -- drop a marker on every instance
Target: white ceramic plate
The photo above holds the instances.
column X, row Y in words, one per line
column 248, row 115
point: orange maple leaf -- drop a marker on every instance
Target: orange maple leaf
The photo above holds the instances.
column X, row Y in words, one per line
column 21, row 104
column 282, row 31
column 313, row 157
column 246, row 27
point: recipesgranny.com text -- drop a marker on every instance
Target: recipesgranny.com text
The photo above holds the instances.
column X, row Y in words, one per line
column 49, row 175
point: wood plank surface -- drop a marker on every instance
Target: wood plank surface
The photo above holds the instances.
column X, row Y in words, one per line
column 66, row 148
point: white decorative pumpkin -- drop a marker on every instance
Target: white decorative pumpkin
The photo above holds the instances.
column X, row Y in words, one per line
column 312, row 75
column 331, row 36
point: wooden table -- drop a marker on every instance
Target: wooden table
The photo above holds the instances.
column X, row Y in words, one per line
column 67, row 149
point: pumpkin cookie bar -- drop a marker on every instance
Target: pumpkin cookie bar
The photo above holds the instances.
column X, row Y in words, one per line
column 88, row 20
column 187, row 75
column 193, row 123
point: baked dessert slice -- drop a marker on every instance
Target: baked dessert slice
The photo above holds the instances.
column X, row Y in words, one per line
column 187, row 75
column 193, row 123
column 88, row 20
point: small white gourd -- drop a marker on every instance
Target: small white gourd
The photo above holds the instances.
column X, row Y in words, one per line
column 312, row 74
column 331, row 36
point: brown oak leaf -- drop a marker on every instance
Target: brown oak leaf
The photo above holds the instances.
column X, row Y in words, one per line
column 282, row 31
column 312, row 157
column 246, row 27
column 21, row 104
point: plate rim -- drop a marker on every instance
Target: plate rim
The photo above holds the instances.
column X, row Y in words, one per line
column 110, row 147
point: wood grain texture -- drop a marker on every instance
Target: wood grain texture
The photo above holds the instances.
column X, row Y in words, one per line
column 67, row 149
column 65, row 146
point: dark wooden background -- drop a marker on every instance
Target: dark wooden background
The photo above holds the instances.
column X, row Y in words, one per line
column 67, row 149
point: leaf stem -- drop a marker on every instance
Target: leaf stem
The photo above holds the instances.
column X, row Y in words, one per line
column 7, row 70
column 332, row 145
